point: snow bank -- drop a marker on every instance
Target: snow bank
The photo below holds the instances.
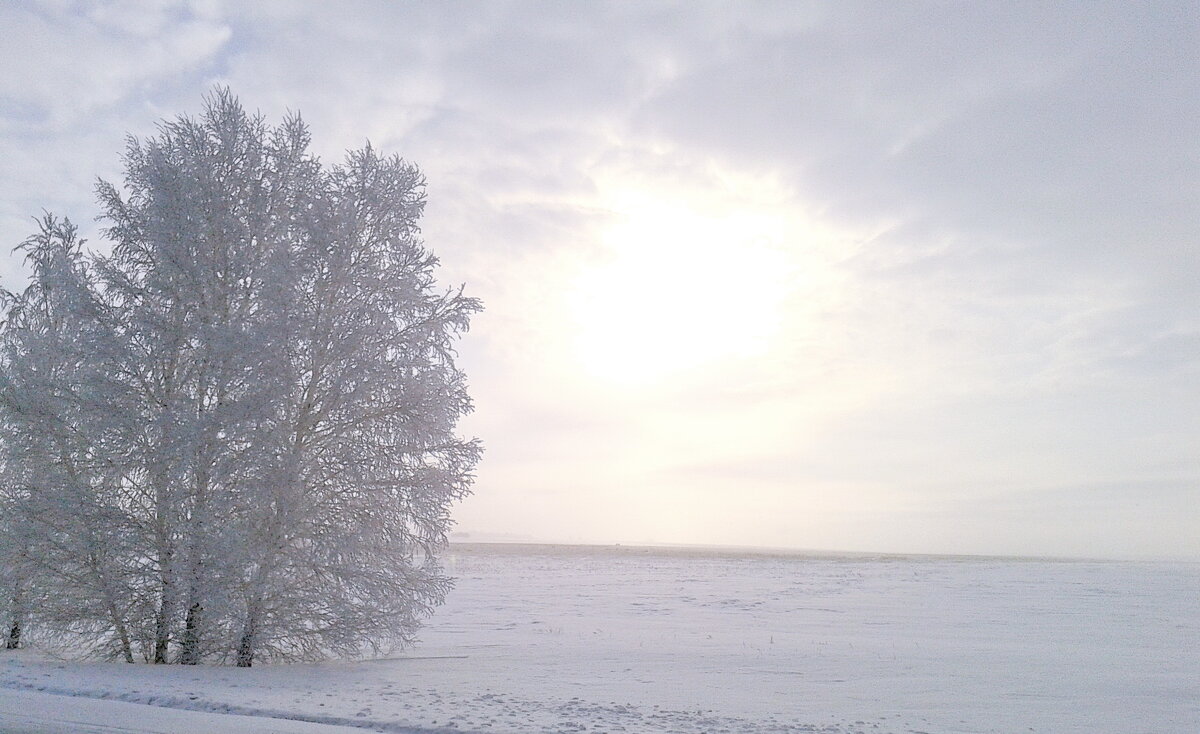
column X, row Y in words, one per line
column 25, row 712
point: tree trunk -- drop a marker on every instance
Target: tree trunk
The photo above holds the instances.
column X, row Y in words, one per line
column 190, row 652
column 245, row 653
column 162, row 636
column 122, row 631
column 162, row 623
column 118, row 622
column 122, row 635
column 164, row 520
column 125, row 646
column 18, row 611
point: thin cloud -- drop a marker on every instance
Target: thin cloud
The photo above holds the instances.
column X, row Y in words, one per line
column 989, row 245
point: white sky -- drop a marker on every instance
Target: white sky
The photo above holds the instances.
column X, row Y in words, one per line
column 882, row 276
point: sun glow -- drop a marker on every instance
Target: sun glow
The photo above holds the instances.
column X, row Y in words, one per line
column 683, row 284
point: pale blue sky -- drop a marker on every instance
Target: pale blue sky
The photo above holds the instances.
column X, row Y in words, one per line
column 863, row 276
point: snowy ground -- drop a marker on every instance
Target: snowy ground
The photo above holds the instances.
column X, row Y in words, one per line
column 568, row 639
column 33, row 712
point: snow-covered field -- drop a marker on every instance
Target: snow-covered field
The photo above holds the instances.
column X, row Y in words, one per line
column 573, row 639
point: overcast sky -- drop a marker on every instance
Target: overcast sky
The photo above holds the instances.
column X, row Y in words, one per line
column 879, row 277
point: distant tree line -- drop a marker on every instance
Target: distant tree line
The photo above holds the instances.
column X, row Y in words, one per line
column 232, row 437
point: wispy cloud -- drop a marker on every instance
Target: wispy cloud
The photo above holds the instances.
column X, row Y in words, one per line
column 841, row 274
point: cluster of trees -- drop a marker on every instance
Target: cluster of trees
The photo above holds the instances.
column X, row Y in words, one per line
column 232, row 438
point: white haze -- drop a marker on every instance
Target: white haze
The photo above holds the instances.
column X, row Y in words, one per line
column 903, row 277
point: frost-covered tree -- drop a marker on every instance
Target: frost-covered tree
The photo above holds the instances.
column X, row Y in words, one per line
column 66, row 517
column 199, row 256
column 369, row 374
column 266, row 394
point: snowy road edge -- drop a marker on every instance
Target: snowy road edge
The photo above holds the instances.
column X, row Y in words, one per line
column 212, row 707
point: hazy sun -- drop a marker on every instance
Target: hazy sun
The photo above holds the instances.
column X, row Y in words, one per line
column 683, row 285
